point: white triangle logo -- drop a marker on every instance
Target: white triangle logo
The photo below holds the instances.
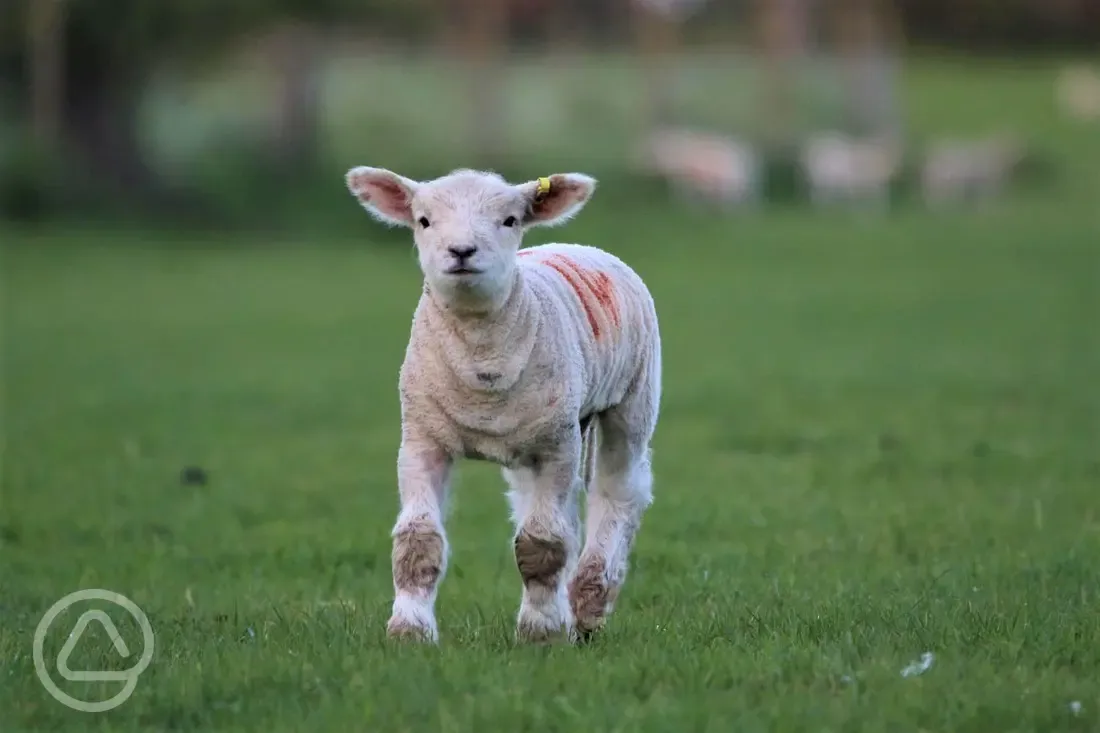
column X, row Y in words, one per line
column 78, row 631
column 128, row 677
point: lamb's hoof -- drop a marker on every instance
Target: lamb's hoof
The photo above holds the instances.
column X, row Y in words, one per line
column 539, row 637
column 589, row 599
column 585, row 631
column 537, row 631
column 402, row 629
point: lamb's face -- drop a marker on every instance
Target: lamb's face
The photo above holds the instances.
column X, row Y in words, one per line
column 467, row 229
column 468, row 225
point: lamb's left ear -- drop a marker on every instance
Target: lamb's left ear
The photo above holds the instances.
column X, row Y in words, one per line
column 556, row 199
column 383, row 193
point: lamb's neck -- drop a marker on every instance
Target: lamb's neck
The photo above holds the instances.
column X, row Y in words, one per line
column 488, row 350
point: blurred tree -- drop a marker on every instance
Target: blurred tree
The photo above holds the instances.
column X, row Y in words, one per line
column 87, row 63
column 45, row 53
column 658, row 39
column 296, row 58
column 867, row 37
column 783, row 39
column 658, row 27
column 484, row 49
column 1008, row 24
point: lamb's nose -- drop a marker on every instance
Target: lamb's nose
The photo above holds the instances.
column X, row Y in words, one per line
column 462, row 252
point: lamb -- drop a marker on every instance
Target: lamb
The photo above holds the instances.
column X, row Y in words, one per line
column 533, row 359
column 956, row 170
column 1078, row 92
column 838, row 167
column 705, row 165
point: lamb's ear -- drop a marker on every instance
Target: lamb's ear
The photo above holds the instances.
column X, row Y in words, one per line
column 556, row 199
column 386, row 195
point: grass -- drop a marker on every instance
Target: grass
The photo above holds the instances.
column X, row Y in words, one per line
column 879, row 438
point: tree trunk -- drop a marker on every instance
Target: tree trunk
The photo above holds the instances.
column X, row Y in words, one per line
column 46, row 54
column 782, row 32
column 100, row 124
column 657, row 36
column 865, row 46
column 484, row 50
column 563, row 29
column 101, row 129
column 296, row 59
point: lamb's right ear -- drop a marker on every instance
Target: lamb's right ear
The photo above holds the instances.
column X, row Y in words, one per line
column 386, row 195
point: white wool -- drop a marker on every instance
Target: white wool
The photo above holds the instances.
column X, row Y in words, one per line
column 958, row 169
column 496, row 386
column 1078, row 92
column 700, row 163
column 840, row 167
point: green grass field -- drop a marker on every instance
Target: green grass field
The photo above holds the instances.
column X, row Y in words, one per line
column 879, row 439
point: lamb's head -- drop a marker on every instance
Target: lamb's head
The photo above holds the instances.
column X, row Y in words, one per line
column 468, row 224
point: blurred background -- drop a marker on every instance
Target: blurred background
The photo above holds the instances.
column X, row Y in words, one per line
column 244, row 112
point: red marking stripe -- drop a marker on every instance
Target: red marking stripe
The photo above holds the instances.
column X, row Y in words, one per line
column 566, row 270
column 605, row 294
column 588, row 285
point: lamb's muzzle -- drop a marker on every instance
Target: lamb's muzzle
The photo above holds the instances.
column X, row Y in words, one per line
column 539, row 360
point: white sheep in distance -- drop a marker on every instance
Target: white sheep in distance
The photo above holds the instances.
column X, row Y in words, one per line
column 842, row 168
column 956, row 170
column 521, row 357
column 702, row 165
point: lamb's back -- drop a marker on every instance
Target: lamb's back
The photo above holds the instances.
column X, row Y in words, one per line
column 606, row 313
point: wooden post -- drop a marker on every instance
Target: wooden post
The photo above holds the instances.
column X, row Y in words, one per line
column 46, row 52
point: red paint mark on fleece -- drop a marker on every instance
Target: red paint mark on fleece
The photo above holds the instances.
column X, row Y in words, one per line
column 588, row 285
column 605, row 294
column 524, row 253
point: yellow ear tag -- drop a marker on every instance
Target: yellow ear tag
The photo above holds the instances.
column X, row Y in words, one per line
column 543, row 188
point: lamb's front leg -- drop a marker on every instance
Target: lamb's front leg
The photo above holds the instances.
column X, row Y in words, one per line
column 419, row 542
column 544, row 509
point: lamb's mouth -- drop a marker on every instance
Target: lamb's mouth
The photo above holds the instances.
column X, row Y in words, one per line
column 460, row 270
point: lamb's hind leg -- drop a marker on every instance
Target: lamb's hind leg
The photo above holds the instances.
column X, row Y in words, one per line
column 620, row 494
column 543, row 497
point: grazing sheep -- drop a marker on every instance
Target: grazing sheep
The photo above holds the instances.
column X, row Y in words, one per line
column 517, row 357
column 704, row 165
column 956, row 170
column 1078, row 92
column 838, row 167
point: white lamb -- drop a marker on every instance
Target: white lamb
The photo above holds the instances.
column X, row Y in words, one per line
column 705, row 165
column 842, row 168
column 955, row 170
column 515, row 357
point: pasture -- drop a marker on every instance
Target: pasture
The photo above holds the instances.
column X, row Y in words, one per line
column 879, row 439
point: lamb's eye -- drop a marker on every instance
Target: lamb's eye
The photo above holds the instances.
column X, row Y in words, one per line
column 510, row 221
column 424, row 222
